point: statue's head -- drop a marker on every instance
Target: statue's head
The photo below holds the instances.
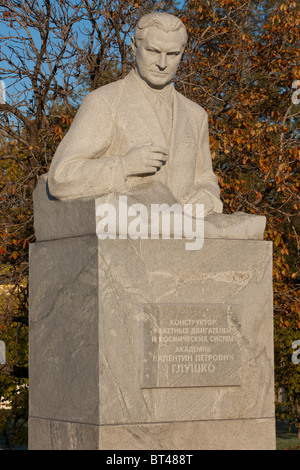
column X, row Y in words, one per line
column 158, row 44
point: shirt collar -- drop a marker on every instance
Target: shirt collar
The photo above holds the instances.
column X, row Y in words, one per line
column 166, row 92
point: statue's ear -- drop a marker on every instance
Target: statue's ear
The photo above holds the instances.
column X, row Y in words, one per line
column 133, row 44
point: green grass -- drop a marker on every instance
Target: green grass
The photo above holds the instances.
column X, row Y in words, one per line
column 286, row 440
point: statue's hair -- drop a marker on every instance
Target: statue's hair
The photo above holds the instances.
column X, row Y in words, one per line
column 163, row 21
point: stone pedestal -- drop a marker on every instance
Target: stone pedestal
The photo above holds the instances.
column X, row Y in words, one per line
column 141, row 344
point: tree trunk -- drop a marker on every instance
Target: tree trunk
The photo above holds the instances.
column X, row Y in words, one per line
column 6, row 439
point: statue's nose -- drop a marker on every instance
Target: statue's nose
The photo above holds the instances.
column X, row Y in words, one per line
column 161, row 63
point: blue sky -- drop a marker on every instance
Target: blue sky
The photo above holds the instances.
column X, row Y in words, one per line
column 13, row 84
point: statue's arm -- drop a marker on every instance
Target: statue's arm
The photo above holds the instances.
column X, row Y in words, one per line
column 80, row 167
column 205, row 179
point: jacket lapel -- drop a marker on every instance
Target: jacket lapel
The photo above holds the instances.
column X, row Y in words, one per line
column 143, row 123
column 179, row 125
column 179, row 122
column 141, row 111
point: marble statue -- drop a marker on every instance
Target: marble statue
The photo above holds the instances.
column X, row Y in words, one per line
column 146, row 339
column 138, row 134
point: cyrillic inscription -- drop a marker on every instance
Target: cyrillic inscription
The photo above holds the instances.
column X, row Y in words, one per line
column 190, row 345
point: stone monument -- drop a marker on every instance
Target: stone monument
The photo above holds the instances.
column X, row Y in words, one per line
column 139, row 337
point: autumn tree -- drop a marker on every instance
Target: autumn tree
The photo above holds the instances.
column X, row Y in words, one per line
column 240, row 63
column 242, row 60
column 51, row 55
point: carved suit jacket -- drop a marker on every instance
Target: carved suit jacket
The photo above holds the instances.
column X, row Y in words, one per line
column 117, row 117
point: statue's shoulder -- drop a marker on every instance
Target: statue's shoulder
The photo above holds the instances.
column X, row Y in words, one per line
column 192, row 107
column 107, row 93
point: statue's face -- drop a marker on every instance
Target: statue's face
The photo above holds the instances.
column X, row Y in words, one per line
column 158, row 55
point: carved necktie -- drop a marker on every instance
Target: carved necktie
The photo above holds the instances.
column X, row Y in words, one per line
column 164, row 114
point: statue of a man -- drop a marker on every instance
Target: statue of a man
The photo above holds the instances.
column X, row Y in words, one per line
column 139, row 131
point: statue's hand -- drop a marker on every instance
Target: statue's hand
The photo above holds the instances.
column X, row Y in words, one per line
column 199, row 197
column 144, row 159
